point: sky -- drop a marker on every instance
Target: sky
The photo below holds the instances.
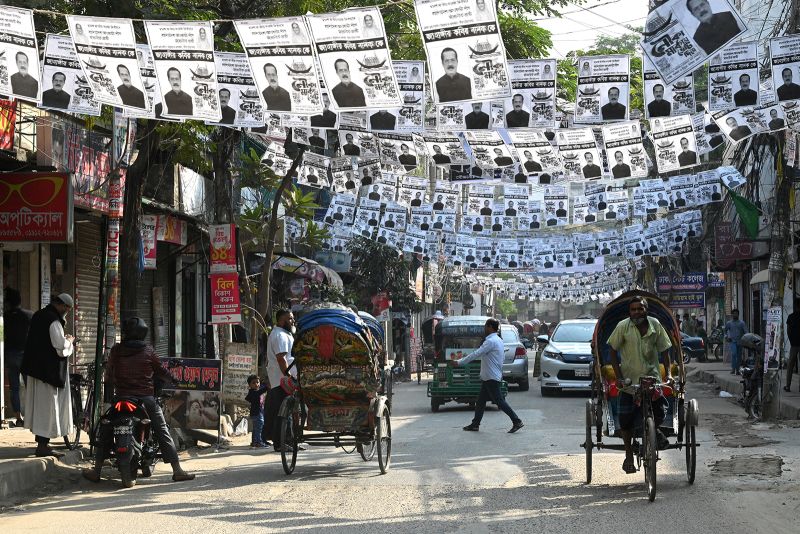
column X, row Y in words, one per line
column 578, row 28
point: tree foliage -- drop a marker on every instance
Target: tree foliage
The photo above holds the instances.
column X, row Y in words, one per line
column 505, row 307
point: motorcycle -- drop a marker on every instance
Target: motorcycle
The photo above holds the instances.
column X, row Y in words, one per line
column 125, row 437
column 752, row 372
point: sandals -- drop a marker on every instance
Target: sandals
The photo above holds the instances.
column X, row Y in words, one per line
column 628, row 466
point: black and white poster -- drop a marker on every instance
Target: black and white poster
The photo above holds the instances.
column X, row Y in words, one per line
column 681, row 192
column 152, row 93
column 785, row 64
column 410, row 78
column 603, row 89
column 394, row 216
column 369, row 212
column 708, row 188
column 579, row 154
column 625, row 151
column 673, row 136
column 358, row 143
column 415, row 240
column 533, row 98
column 469, row 116
column 314, row 170
column 19, row 65
column 515, row 200
column 656, row 194
column 282, row 64
column 445, row 149
column 556, row 206
column 413, row 191
column 489, row 149
column 535, row 152
column 327, row 119
column 184, row 58
column 617, row 205
column 344, row 174
column 240, row 105
column 706, row 132
column 480, row 199
column 107, row 51
column 422, row 217
column 679, row 35
column 466, row 56
column 741, row 123
column 398, row 149
column 445, row 196
column 666, row 99
column 342, row 209
column 65, row 86
column 355, row 60
column 580, row 210
column 733, row 77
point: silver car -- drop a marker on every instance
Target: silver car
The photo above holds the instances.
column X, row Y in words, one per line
column 567, row 357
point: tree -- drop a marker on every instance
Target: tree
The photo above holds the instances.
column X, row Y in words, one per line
column 505, row 307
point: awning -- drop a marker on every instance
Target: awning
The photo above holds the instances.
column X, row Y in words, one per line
column 291, row 263
column 761, row 277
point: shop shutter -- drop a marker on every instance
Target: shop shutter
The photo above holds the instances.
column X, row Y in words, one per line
column 88, row 261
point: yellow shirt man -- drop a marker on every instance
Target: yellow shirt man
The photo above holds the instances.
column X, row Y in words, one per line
column 639, row 353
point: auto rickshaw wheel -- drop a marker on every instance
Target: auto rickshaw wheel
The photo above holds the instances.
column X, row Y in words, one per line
column 435, row 404
column 691, row 440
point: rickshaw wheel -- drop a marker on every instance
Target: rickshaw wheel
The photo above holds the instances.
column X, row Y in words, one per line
column 691, row 441
column 588, row 443
column 651, row 455
column 367, row 450
column 289, row 445
column 384, row 439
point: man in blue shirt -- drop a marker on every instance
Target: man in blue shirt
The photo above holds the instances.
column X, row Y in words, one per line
column 491, row 354
column 734, row 330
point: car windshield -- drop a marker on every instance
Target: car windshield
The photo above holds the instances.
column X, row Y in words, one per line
column 509, row 335
column 574, row 332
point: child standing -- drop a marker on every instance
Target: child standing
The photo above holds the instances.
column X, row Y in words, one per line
column 255, row 396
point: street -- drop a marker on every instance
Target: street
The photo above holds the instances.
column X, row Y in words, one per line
column 445, row 480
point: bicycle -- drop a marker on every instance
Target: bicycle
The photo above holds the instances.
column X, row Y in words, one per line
column 648, row 450
column 82, row 412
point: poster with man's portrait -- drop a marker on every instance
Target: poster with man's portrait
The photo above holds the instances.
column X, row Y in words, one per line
column 785, row 64
column 469, row 116
column 411, row 117
column 489, row 149
column 535, row 152
column 674, row 142
column 733, row 77
column 65, row 86
column 533, row 99
column 623, row 142
column 19, row 65
column 580, row 156
column 240, row 105
column 445, row 149
column 603, row 89
column 666, row 99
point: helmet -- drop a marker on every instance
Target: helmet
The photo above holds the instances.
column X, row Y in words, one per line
column 752, row 342
column 134, row 329
column 536, row 322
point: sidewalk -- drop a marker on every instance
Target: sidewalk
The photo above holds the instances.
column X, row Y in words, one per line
column 719, row 373
column 20, row 470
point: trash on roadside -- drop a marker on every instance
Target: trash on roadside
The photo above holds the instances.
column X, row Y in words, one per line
column 726, row 395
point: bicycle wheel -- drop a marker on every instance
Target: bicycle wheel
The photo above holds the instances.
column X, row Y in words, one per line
column 718, row 352
column 384, row 440
column 587, row 445
column 367, row 450
column 753, row 404
column 73, row 437
column 289, row 445
column 650, row 457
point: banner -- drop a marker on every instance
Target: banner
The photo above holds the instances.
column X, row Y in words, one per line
column 67, row 87
column 411, row 117
column 195, row 402
column 625, row 151
column 240, row 105
column 773, row 337
column 18, row 37
column 489, row 149
column 733, row 77
column 184, row 59
column 445, row 149
column 603, row 89
column 148, row 234
column 36, row 207
column 107, row 51
column 466, row 56
column 679, row 36
column 686, row 282
column 534, row 152
column 671, row 136
column 241, row 361
column 280, row 56
column 147, row 71
column 223, row 248
column 666, row 99
column 8, row 122
column 579, row 155
column 355, row 60
column 225, row 308
column 785, row 64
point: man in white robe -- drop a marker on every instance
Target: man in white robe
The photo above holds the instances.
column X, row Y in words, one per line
column 48, row 408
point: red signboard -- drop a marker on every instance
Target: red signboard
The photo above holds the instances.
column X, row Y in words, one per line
column 36, row 207
column 225, row 308
column 728, row 248
column 8, row 120
column 223, row 248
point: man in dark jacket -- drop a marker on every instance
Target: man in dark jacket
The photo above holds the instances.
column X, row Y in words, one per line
column 132, row 369
column 17, row 323
column 48, row 408
column 793, row 331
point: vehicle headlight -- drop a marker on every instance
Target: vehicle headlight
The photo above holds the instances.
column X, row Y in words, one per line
column 552, row 355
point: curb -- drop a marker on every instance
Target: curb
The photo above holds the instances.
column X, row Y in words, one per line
column 20, row 475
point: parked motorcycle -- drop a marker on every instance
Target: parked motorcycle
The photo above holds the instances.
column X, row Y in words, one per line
column 752, row 372
column 125, row 437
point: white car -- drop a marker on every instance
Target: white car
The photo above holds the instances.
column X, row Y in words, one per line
column 567, row 357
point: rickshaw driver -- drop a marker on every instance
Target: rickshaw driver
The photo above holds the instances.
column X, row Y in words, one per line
column 640, row 339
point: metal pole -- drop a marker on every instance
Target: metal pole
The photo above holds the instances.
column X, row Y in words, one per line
column 2, row 354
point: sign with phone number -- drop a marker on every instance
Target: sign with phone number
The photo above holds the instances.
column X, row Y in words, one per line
column 684, row 300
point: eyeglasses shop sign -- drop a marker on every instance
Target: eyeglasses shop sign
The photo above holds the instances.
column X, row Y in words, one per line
column 36, row 207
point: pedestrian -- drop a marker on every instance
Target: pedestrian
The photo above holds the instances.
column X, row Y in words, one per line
column 703, row 334
column 279, row 357
column 48, row 408
column 132, row 371
column 17, row 322
column 690, row 325
column 734, row 330
column 793, row 331
column 491, row 353
column 255, row 396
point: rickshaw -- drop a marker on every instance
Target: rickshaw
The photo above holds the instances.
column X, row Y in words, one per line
column 602, row 415
column 342, row 396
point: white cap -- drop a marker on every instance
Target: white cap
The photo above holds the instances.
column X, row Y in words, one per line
column 66, row 299
column 438, row 315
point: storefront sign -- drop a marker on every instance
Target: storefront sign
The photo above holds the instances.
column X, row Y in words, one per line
column 681, row 282
column 36, row 207
column 171, row 230
column 684, row 300
column 241, row 361
column 148, row 231
column 196, row 401
column 223, row 248
column 715, row 279
column 194, row 374
column 728, row 248
column 225, row 308
column 772, row 341
column 8, row 120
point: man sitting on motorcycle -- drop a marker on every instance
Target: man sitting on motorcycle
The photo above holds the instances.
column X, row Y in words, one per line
column 132, row 367
column 639, row 339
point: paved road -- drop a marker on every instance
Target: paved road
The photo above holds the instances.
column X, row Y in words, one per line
column 446, row 480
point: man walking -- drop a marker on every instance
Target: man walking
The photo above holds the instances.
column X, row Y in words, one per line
column 48, row 409
column 491, row 354
column 279, row 357
column 793, row 331
column 734, row 330
column 17, row 323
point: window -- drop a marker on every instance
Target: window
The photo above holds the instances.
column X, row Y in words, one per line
column 509, row 334
column 574, row 332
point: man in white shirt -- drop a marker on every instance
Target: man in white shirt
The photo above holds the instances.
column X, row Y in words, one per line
column 491, row 354
column 279, row 358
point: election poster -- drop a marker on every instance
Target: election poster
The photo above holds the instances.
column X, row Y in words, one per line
column 394, row 217
column 19, row 64
column 733, row 77
column 623, row 142
column 666, row 99
column 342, row 209
column 410, row 79
column 785, row 65
column 354, row 142
column 535, row 152
column 774, row 337
column 314, row 171
column 679, row 36
column 355, row 60
column 603, row 89
column 445, row 149
column 445, row 196
column 412, row 191
column 282, row 65
column 327, row 119
column 556, row 206
column 671, row 136
column 706, row 132
column 579, row 154
column 107, row 51
column 741, row 123
column 345, row 177
column 66, row 88
column 152, row 93
column 466, row 56
column 617, row 205
column 184, row 58
column 469, row 116
column 240, row 105
column 489, row 149
column 398, row 149
column 532, row 102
